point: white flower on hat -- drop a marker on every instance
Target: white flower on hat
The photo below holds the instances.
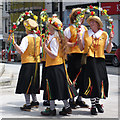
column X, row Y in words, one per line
column 83, row 9
column 79, row 22
column 111, row 20
column 42, row 25
column 18, row 22
column 28, row 15
column 100, row 9
column 14, row 23
column 21, row 19
column 54, row 15
column 52, row 21
column 108, row 27
column 88, row 10
column 30, row 11
column 74, row 21
column 42, row 12
column 34, row 31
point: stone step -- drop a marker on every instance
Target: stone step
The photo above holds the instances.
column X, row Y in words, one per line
column 6, row 79
column 2, row 68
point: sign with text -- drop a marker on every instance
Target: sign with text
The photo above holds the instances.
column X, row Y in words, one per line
column 113, row 8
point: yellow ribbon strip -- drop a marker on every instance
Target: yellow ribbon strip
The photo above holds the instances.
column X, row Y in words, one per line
column 13, row 39
column 87, row 91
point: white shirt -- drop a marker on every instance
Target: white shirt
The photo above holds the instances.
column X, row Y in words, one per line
column 24, row 43
column 67, row 32
column 95, row 35
column 54, row 45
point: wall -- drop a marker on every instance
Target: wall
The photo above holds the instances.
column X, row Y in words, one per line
column 0, row 17
column 1, row 33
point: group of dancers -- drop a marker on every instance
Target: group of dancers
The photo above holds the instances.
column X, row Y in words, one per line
column 91, row 78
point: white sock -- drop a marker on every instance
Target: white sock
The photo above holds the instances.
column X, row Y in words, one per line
column 93, row 102
column 66, row 104
column 52, row 104
column 34, row 98
column 97, row 100
column 27, row 99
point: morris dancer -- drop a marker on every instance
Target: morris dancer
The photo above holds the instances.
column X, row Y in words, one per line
column 57, row 86
column 29, row 75
column 95, row 71
column 74, row 55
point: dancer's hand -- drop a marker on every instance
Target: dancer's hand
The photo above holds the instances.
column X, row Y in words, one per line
column 111, row 36
column 11, row 38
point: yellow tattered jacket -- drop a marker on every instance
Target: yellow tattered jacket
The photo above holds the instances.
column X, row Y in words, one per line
column 98, row 45
column 50, row 61
column 32, row 53
column 73, row 39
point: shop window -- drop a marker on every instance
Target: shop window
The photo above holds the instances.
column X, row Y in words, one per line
column 6, row 6
column 6, row 26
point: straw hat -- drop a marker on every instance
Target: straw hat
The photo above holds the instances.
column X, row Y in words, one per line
column 97, row 19
column 56, row 23
column 75, row 10
column 30, row 23
column 73, row 15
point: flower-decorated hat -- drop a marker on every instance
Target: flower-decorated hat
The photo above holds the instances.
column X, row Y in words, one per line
column 55, row 22
column 74, row 13
column 30, row 24
column 97, row 19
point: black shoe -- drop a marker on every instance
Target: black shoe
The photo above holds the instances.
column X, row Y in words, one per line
column 34, row 104
column 65, row 111
column 26, row 108
column 72, row 104
column 49, row 112
column 81, row 104
column 46, row 103
column 99, row 108
column 93, row 111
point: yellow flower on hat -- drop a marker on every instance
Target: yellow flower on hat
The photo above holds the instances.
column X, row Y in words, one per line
column 82, row 16
column 108, row 17
column 49, row 18
column 44, row 18
column 28, row 27
column 105, row 11
column 37, row 28
column 55, row 22
column 25, row 24
column 96, row 7
column 59, row 28
column 35, row 17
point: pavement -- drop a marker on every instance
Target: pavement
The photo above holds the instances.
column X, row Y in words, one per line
column 10, row 102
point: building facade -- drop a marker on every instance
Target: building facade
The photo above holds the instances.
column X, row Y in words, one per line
column 17, row 8
column 1, row 31
column 5, row 23
column 10, row 11
column 113, row 9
